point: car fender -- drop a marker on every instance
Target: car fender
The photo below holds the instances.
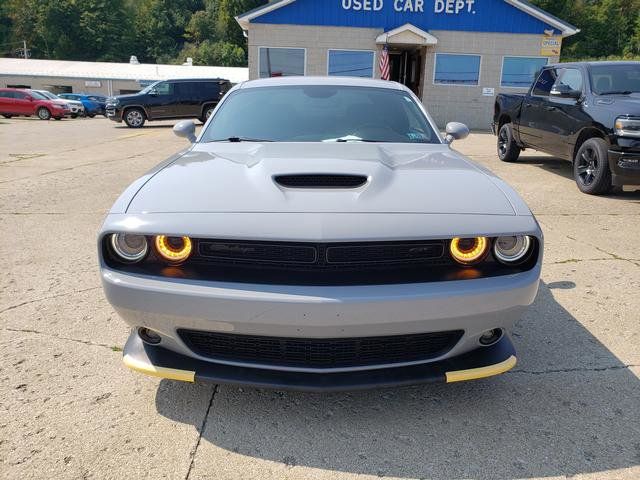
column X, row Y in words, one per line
column 135, row 105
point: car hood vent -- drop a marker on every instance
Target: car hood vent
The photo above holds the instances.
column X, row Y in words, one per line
column 320, row 180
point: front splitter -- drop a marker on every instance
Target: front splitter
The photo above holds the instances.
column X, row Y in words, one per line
column 160, row 362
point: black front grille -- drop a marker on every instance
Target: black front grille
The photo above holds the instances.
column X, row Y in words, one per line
column 383, row 252
column 259, row 252
column 320, row 353
column 320, row 255
column 320, row 180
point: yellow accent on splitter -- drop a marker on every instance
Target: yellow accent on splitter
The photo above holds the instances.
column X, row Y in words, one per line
column 162, row 372
column 482, row 372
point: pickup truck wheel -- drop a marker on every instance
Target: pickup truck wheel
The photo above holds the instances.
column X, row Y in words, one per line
column 591, row 167
column 44, row 113
column 134, row 118
column 508, row 149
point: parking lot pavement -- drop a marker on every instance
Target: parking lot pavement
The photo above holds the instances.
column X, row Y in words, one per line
column 70, row 409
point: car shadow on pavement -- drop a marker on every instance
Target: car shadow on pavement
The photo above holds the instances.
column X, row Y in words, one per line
column 561, row 167
column 145, row 127
column 564, row 168
column 570, row 406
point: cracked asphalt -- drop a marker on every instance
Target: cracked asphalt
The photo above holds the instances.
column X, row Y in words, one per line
column 69, row 409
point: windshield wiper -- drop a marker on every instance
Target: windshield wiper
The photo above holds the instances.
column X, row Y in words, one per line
column 242, row 139
column 617, row 92
column 356, row 139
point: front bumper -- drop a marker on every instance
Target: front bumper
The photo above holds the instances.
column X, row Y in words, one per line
column 156, row 361
column 625, row 167
column 167, row 305
column 113, row 113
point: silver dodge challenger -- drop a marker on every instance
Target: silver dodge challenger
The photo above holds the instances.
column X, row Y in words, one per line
column 320, row 234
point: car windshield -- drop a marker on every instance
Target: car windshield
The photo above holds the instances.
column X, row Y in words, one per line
column 320, row 113
column 611, row 79
column 148, row 88
column 38, row 95
column 48, row 95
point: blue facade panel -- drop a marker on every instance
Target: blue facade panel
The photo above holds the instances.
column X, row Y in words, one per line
column 458, row 15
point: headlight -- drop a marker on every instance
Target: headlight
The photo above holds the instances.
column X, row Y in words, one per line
column 627, row 127
column 130, row 248
column 468, row 251
column 173, row 249
column 512, row 250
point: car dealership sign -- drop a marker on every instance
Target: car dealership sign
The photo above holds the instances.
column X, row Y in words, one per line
column 499, row 16
column 416, row 6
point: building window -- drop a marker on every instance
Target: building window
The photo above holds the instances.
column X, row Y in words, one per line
column 59, row 89
column 457, row 69
column 520, row 71
column 281, row 62
column 350, row 63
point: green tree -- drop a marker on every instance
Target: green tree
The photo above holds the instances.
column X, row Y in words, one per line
column 214, row 36
column 215, row 53
column 106, row 26
column 159, row 28
column 608, row 27
column 633, row 47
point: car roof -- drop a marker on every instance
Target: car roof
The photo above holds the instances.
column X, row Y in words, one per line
column 194, row 80
column 336, row 81
column 604, row 63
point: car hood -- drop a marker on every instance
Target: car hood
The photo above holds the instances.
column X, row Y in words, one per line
column 621, row 104
column 402, row 178
column 124, row 98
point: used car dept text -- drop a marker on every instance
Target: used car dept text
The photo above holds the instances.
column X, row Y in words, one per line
column 439, row 6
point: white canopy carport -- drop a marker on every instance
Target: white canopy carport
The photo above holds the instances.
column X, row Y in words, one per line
column 115, row 71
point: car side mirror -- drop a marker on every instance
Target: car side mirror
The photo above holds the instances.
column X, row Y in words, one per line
column 153, row 92
column 186, row 129
column 456, row 131
column 29, row 98
column 565, row 91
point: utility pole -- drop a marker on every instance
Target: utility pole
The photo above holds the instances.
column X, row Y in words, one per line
column 24, row 46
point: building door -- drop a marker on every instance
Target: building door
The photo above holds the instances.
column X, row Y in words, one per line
column 405, row 67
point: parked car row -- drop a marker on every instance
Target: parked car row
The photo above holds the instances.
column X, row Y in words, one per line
column 162, row 100
column 45, row 105
column 93, row 104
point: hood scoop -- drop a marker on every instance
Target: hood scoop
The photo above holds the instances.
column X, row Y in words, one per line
column 320, row 180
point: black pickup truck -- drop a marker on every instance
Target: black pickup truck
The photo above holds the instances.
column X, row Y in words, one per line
column 587, row 112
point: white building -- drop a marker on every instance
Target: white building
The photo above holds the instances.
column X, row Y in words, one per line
column 61, row 76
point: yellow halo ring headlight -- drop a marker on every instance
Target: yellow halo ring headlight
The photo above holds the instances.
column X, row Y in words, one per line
column 469, row 251
column 173, row 249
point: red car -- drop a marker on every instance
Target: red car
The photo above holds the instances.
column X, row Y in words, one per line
column 17, row 102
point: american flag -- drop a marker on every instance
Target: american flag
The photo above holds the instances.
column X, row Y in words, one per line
column 384, row 64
